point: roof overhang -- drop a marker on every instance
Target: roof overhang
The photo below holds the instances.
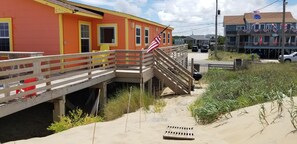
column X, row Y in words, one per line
column 60, row 9
column 128, row 16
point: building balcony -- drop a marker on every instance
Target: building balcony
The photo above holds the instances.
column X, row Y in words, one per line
column 263, row 45
column 256, row 32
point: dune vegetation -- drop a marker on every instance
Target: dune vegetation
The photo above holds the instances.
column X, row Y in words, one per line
column 231, row 90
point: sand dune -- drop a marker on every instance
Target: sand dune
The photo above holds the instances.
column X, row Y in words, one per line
column 242, row 128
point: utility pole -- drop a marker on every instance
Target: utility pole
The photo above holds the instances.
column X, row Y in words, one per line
column 283, row 30
column 216, row 31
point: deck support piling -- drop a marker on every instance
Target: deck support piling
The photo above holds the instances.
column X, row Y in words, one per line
column 103, row 95
column 59, row 108
column 150, row 86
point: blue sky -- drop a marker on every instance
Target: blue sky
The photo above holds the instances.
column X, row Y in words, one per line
column 189, row 16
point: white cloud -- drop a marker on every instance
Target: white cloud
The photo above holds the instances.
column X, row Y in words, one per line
column 97, row 2
column 181, row 13
column 187, row 16
column 127, row 7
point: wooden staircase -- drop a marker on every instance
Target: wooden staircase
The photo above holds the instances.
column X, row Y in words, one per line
column 171, row 73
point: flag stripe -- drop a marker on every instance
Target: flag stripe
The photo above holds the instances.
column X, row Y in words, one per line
column 155, row 43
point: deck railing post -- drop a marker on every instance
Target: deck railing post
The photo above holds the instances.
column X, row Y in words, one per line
column 90, row 67
column 48, row 71
column 140, row 62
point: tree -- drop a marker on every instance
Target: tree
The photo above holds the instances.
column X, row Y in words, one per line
column 221, row 40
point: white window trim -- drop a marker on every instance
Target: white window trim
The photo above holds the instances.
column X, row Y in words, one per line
column 115, row 26
column 137, row 27
column 8, row 30
column 168, row 37
column 259, row 26
column 80, row 35
column 148, row 36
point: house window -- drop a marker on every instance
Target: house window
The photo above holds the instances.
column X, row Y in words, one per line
column 262, row 26
column 138, row 35
column 107, row 34
column 164, row 38
column 257, row 26
column 146, row 36
column 240, row 28
column 168, row 38
column 268, row 26
column 5, row 34
column 85, row 36
column 266, row 38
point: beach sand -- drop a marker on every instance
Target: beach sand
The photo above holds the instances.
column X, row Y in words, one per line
column 241, row 128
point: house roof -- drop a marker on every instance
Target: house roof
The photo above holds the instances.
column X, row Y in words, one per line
column 62, row 7
column 270, row 17
column 116, row 13
column 233, row 20
column 196, row 37
column 266, row 17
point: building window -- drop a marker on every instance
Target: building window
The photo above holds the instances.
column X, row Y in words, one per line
column 138, row 35
column 268, row 26
column 168, row 38
column 262, row 26
column 85, row 36
column 257, row 26
column 238, row 28
column 164, row 38
column 146, row 36
column 5, row 34
column 107, row 34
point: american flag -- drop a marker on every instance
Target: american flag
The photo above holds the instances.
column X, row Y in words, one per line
column 155, row 43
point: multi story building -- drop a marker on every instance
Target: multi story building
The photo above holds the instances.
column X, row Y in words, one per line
column 262, row 36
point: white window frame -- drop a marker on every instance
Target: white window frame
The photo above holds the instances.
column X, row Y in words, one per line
column 264, row 26
column 168, row 37
column 99, row 26
column 240, row 28
column 259, row 26
column 148, row 35
column 85, row 23
column 164, row 37
column 136, row 36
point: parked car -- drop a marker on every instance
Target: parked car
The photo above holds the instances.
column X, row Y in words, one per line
column 194, row 48
column 289, row 58
column 204, row 48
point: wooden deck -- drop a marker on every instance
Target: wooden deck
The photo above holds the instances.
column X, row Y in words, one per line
column 58, row 75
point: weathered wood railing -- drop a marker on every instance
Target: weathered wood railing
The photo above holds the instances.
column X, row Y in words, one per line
column 30, row 76
column 173, row 70
column 15, row 55
column 178, row 53
column 52, row 72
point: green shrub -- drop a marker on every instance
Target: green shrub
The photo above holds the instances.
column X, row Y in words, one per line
column 75, row 118
column 117, row 106
column 230, row 90
column 159, row 106
column 230, row 56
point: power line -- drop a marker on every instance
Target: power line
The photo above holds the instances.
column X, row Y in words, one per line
column 267, row 5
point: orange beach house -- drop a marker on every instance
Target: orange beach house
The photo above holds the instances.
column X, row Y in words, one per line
column 63, row 27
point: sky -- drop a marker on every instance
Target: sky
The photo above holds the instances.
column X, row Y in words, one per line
column 190, row 16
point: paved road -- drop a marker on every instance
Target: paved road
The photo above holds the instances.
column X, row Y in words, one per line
column 201, row 59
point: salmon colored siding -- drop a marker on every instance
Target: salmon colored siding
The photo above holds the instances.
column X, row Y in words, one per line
column 153, row 32
column 35, row 27
column 120, row 21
